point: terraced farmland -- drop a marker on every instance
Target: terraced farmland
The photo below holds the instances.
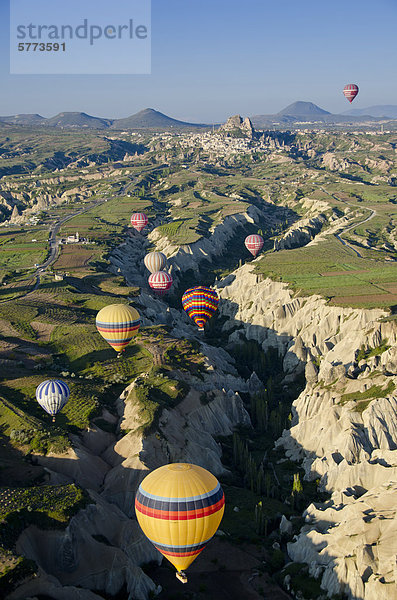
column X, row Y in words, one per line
column 335, row 272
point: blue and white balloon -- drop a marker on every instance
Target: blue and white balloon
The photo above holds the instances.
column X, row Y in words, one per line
column 52, row 395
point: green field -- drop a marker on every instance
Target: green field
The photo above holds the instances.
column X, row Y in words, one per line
column 18, row 251
column 335, row 272
column 75, row 352
column 107, row 221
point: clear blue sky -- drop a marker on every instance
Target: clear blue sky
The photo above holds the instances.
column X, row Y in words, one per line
column 214, row 58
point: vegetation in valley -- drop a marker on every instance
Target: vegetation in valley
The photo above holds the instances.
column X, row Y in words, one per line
column 90, row 184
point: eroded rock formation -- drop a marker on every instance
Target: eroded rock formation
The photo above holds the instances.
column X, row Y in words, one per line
column 344, row 426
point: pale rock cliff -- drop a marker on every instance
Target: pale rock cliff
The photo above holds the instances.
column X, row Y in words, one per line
column 189, row 256
column 128, row 257
column 103, row 547
column 352, row 546
column 237, row 124
column 301, row 233
column 184, row 434
column 344, row 425
column 99, row 550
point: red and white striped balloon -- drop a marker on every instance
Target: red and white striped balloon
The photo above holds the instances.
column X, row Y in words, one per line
column 350, row 91
column 160, row 282
column 139, row 221
column 254, row 243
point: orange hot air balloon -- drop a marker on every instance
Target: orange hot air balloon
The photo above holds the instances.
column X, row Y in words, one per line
column 200, row 303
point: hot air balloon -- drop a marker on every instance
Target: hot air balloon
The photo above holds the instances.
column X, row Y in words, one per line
column 118, row 324
column 139, row 221
column 155, row 261
column 200, row 303
column 350, row 91
column 254, row 243
column 160, row 282
column 179, row 508
column 52, row 395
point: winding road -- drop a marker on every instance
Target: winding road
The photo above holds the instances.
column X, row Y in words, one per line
column 53, row 243
column 339, row 236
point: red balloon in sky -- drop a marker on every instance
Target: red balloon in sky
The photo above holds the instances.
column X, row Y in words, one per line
column 254, row 243
column 160, row 282
column 139, row 221
column 350, row 91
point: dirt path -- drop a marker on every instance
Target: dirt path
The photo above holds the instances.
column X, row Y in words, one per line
column 157, row 354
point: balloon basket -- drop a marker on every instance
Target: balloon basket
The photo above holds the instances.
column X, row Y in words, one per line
column 53, row 419
column 181, row 576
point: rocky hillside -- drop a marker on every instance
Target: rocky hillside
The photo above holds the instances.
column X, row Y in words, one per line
column 102, row 548
column 236, row 126
column 189, row 256
column 343, row 427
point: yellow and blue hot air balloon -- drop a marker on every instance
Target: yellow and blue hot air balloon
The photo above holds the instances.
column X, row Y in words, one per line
column 179, row 508
column 118, row 324
column 200, row 303
column 155, row 261
column 52, row 395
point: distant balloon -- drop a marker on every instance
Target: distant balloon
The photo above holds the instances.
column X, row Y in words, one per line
column 52, row 395
column 179, row 508
column 155, row 261
column 118, row 324
column 350, row 91
column 139, row 221
column 254, row 243
column 160, row 282
column 200, row 303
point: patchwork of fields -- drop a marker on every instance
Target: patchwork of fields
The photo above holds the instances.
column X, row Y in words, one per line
column 335, row 272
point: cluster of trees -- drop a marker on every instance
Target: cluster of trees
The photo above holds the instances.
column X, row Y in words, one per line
column 254, row 476
column 250, row 357
column 267, row 414
column 263, row 482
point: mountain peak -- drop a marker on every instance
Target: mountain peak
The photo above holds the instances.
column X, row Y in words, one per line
column 302, row 109
column 149, row 118
column 77, row 119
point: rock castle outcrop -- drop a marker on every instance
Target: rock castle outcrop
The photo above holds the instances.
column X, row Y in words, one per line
column 236, row 125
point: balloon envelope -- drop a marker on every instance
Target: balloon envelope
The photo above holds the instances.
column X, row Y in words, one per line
column 155, row 261
column 200, row 303
column 350, row 91
column 118, row 324
column 52, row 395
column 254, row 243
column 179, row 508
column 139, row 221
column 160, row 282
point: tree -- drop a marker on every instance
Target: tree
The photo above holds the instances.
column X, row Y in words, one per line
column 260, row 519
column 297, row 490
